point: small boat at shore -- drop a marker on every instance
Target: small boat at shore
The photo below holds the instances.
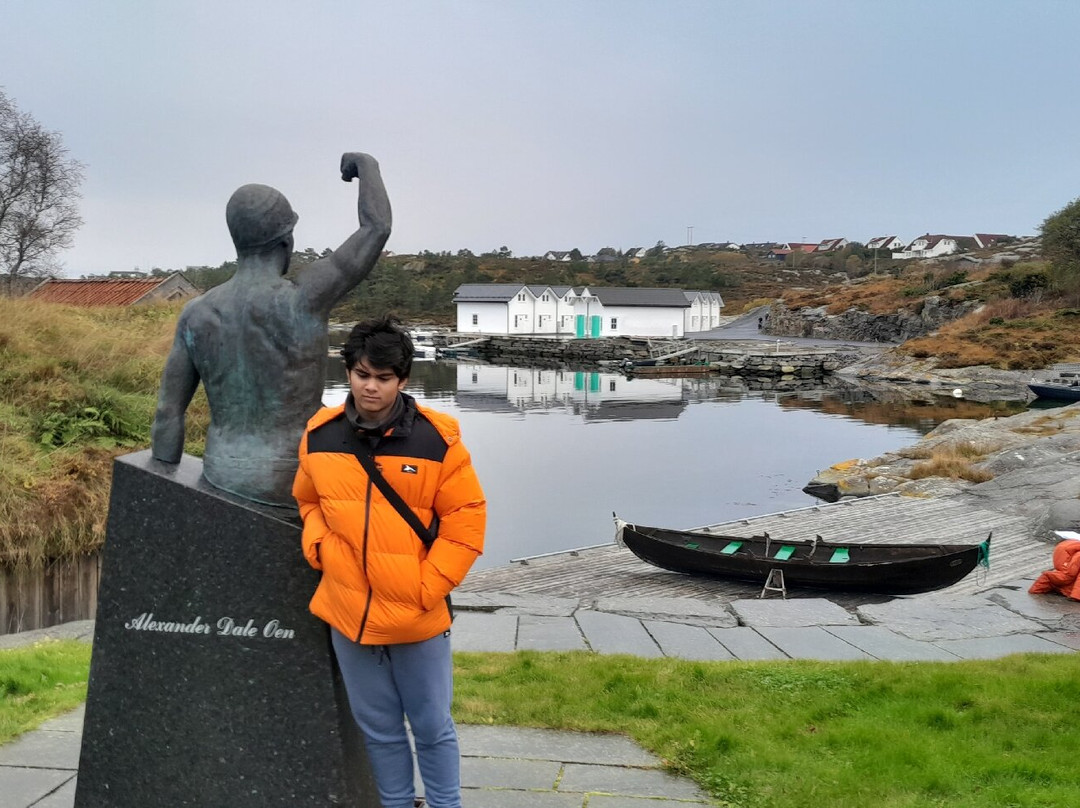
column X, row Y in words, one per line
column 1063, row 386
column 888, row 569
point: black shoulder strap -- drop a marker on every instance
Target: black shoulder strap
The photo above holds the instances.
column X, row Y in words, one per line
column 392, row 496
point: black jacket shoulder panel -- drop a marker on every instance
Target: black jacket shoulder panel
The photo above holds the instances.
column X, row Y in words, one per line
column 422, row 441
column 333, row 436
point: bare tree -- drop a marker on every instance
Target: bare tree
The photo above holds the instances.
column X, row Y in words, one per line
column 39, row 193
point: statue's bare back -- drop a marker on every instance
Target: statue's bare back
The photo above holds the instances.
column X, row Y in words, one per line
column 258, row 342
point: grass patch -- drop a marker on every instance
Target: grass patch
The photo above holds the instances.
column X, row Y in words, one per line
column 39, row 682
column 754, row 735
column 954, row 462
column 808, row 734
column 77, row 387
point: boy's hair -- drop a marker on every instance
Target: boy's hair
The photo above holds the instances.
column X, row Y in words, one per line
column 383, row 342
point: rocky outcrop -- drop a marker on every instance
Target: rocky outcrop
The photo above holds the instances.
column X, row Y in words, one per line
column 1026, row 464
column 916, row 378
column 854, row 324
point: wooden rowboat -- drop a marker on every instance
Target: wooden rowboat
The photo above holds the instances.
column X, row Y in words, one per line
column 889, row 569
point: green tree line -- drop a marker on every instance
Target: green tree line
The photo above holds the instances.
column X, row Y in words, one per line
column 421, row 287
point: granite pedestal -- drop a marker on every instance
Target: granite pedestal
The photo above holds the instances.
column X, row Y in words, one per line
column 210, row 684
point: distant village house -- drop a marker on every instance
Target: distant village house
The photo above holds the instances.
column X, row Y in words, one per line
column 934, row 246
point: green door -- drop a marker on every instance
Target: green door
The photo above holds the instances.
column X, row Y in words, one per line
column 579, row 326
column 596, row 325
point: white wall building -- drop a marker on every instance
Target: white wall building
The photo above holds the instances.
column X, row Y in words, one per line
column 704, row 311
column 603, row 311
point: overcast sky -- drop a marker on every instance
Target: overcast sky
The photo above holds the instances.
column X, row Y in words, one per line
column 553, row 124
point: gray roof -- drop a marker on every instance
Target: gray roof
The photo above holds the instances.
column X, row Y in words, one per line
column 608, row 295
column 635, row 296
column 486, row 292
column 539, row 289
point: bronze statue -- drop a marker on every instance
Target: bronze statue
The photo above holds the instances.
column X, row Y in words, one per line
column 258, row 342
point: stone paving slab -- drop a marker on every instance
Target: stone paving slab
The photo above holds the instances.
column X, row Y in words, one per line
column 69, row 722
column 477, row 772
column 1070, row 639
column 509, row 603
column 509, row 798
column 942, row 620
column 687, row 642
column 746, row 644
column 26, row 786
column 996, row 647
column 882, row 643
column 75, row 630
column 811, row 642
column 1052, row 610
column 616, row 634
column 678, row 610
column 475, row 631
column 63, row 797
column 791, row 613
column 631, row 782
column 549, row 744
column 606, row 801
column 543, row 633
column 44, row 750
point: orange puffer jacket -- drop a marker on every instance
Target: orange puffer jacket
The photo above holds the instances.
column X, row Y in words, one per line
column 380, row 584
column 1065, row 576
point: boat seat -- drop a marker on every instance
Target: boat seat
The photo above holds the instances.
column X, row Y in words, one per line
column 691, row 545
column 784, row 553
column 731, row 547
column 840, row 556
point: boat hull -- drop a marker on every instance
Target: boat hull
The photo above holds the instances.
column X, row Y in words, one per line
column 1057, row 392
column 888, row 569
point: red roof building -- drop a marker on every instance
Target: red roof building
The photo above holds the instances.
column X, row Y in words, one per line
column 114, row 291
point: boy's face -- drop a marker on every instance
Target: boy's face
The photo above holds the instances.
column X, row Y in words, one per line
column 374, row 390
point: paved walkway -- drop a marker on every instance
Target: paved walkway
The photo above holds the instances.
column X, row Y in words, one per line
column 529, row 768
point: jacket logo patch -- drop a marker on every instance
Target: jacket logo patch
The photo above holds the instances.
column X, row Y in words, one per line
column 407, row 468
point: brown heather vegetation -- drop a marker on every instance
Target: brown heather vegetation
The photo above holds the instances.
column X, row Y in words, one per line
column 1029, row 317
column 77, row 388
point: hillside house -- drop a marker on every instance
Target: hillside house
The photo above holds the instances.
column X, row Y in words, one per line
column 582, row 312
column 115, row 291
column 935, row 246
column 990, row 239
column 888, row 243
column 557, row 255
column 831, row 245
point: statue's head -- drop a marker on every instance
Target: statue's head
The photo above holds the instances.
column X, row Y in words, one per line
column 259, row 217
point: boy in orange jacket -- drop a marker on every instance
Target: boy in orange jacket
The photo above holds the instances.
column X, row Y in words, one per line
column 385, row 589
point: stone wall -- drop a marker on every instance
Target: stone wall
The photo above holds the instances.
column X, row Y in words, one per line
column 855, row 324
column 598, row 353
column 540, row 352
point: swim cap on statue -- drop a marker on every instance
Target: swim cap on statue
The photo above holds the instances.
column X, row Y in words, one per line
column 258, row 215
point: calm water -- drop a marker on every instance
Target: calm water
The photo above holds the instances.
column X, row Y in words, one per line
column 558, row 451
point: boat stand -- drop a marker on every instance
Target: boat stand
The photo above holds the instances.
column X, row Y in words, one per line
column 774, row 582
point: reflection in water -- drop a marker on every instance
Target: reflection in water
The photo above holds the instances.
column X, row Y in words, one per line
column 558, row 450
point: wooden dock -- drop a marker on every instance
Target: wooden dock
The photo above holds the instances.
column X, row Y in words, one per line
column 613, row 571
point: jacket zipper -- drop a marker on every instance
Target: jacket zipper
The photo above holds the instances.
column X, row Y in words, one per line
column 363, row 560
